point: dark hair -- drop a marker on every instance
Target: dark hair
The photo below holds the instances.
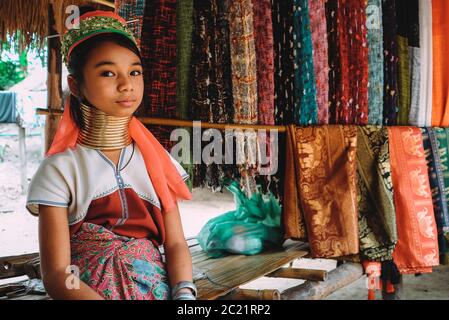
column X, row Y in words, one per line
column 79, row 57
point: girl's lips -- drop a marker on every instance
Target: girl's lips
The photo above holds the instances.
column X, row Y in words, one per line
column 126, row 103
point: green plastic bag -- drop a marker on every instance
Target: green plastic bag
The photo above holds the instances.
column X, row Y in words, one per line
column 251, row 228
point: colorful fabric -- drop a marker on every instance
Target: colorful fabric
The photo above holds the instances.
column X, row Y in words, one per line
column 377, row 219
column 292, row 216
column 263, row 36
column 132, row 11
column 417, row 248
column 413, row 36
column 318, row 28
column 211, row 99
column 158, row 49
column 435, row 141
column 117, row 267
column 440, row 67
column 390, row 30
column 306, row 109
column 403, row 62
column 327, row 182
column 424, row 117
column 375, row 61
column 184, row 31
column 283, row 60
column 243, row 60
column 349, row 103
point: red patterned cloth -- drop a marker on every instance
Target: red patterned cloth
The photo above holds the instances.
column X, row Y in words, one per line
column 158, row 48
column 320, row 57
column 349, row 66
column 263, row 36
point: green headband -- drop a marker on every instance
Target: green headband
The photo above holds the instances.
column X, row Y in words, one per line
column 89, row 27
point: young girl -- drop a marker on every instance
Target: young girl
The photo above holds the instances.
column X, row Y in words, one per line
column 106, row 194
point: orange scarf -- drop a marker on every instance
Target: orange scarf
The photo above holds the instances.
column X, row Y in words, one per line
column 417, row 248
column 440, row 47
column 166, row 180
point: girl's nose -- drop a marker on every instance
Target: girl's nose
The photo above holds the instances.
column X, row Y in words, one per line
column 125, row 84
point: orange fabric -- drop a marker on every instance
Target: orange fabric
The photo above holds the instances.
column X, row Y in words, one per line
column 440, row 47
column 166, row 180
column 417, row 248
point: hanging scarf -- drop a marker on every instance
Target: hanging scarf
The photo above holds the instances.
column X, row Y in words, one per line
column 184, row 30
column 263, row 36
column 390, row 62
column 158, row 49
column 402, row 13
column 306, row 109
column 417, row 248
column 440, row 67
column 283, row 60
column 377, row 219
column 435, row 141
column 424, row 113
column 414, row 50
column 327, row 182
column 243, row 60
column 349, row 95
column 292, row 216
column 318, row 28
column 376, row 61
column 211, row 82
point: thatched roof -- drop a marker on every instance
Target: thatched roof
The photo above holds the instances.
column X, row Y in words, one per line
column 30, row 18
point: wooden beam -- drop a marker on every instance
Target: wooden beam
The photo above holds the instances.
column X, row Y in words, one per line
column 54, row 69
column 104, row 3
column 182, row 123
column 16, row 266
column 249, row 294
column 316, row 290
column 297, row 273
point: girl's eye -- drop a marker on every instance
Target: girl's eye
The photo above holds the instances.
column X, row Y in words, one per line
column 107, row 74
column 136, row 73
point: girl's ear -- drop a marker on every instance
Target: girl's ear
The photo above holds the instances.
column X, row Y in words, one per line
column 73, row 86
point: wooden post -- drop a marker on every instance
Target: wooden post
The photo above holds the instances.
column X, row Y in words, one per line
column 316, row 290
column 23, row 159
column 54, row 67
column 248, row 294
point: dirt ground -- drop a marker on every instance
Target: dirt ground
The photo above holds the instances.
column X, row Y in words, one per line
column 18, row 229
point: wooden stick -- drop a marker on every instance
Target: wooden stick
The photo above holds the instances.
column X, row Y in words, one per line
column 23, row 159
column 297, row 273
column 16, row 266
column 316, row 290
column 182, row 123
column 248, row 294
column 105, row 3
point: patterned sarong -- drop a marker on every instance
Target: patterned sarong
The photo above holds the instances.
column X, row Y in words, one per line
column 117, row 267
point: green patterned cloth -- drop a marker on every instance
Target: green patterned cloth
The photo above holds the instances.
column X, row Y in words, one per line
column 184, row 30
column 377, row 217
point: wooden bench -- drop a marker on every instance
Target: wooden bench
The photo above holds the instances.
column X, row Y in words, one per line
column 221, row 278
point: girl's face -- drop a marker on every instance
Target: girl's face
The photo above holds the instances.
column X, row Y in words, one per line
column 112, row 79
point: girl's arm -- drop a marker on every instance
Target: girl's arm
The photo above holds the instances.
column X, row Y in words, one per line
column 54, row 247
column 177, row 254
